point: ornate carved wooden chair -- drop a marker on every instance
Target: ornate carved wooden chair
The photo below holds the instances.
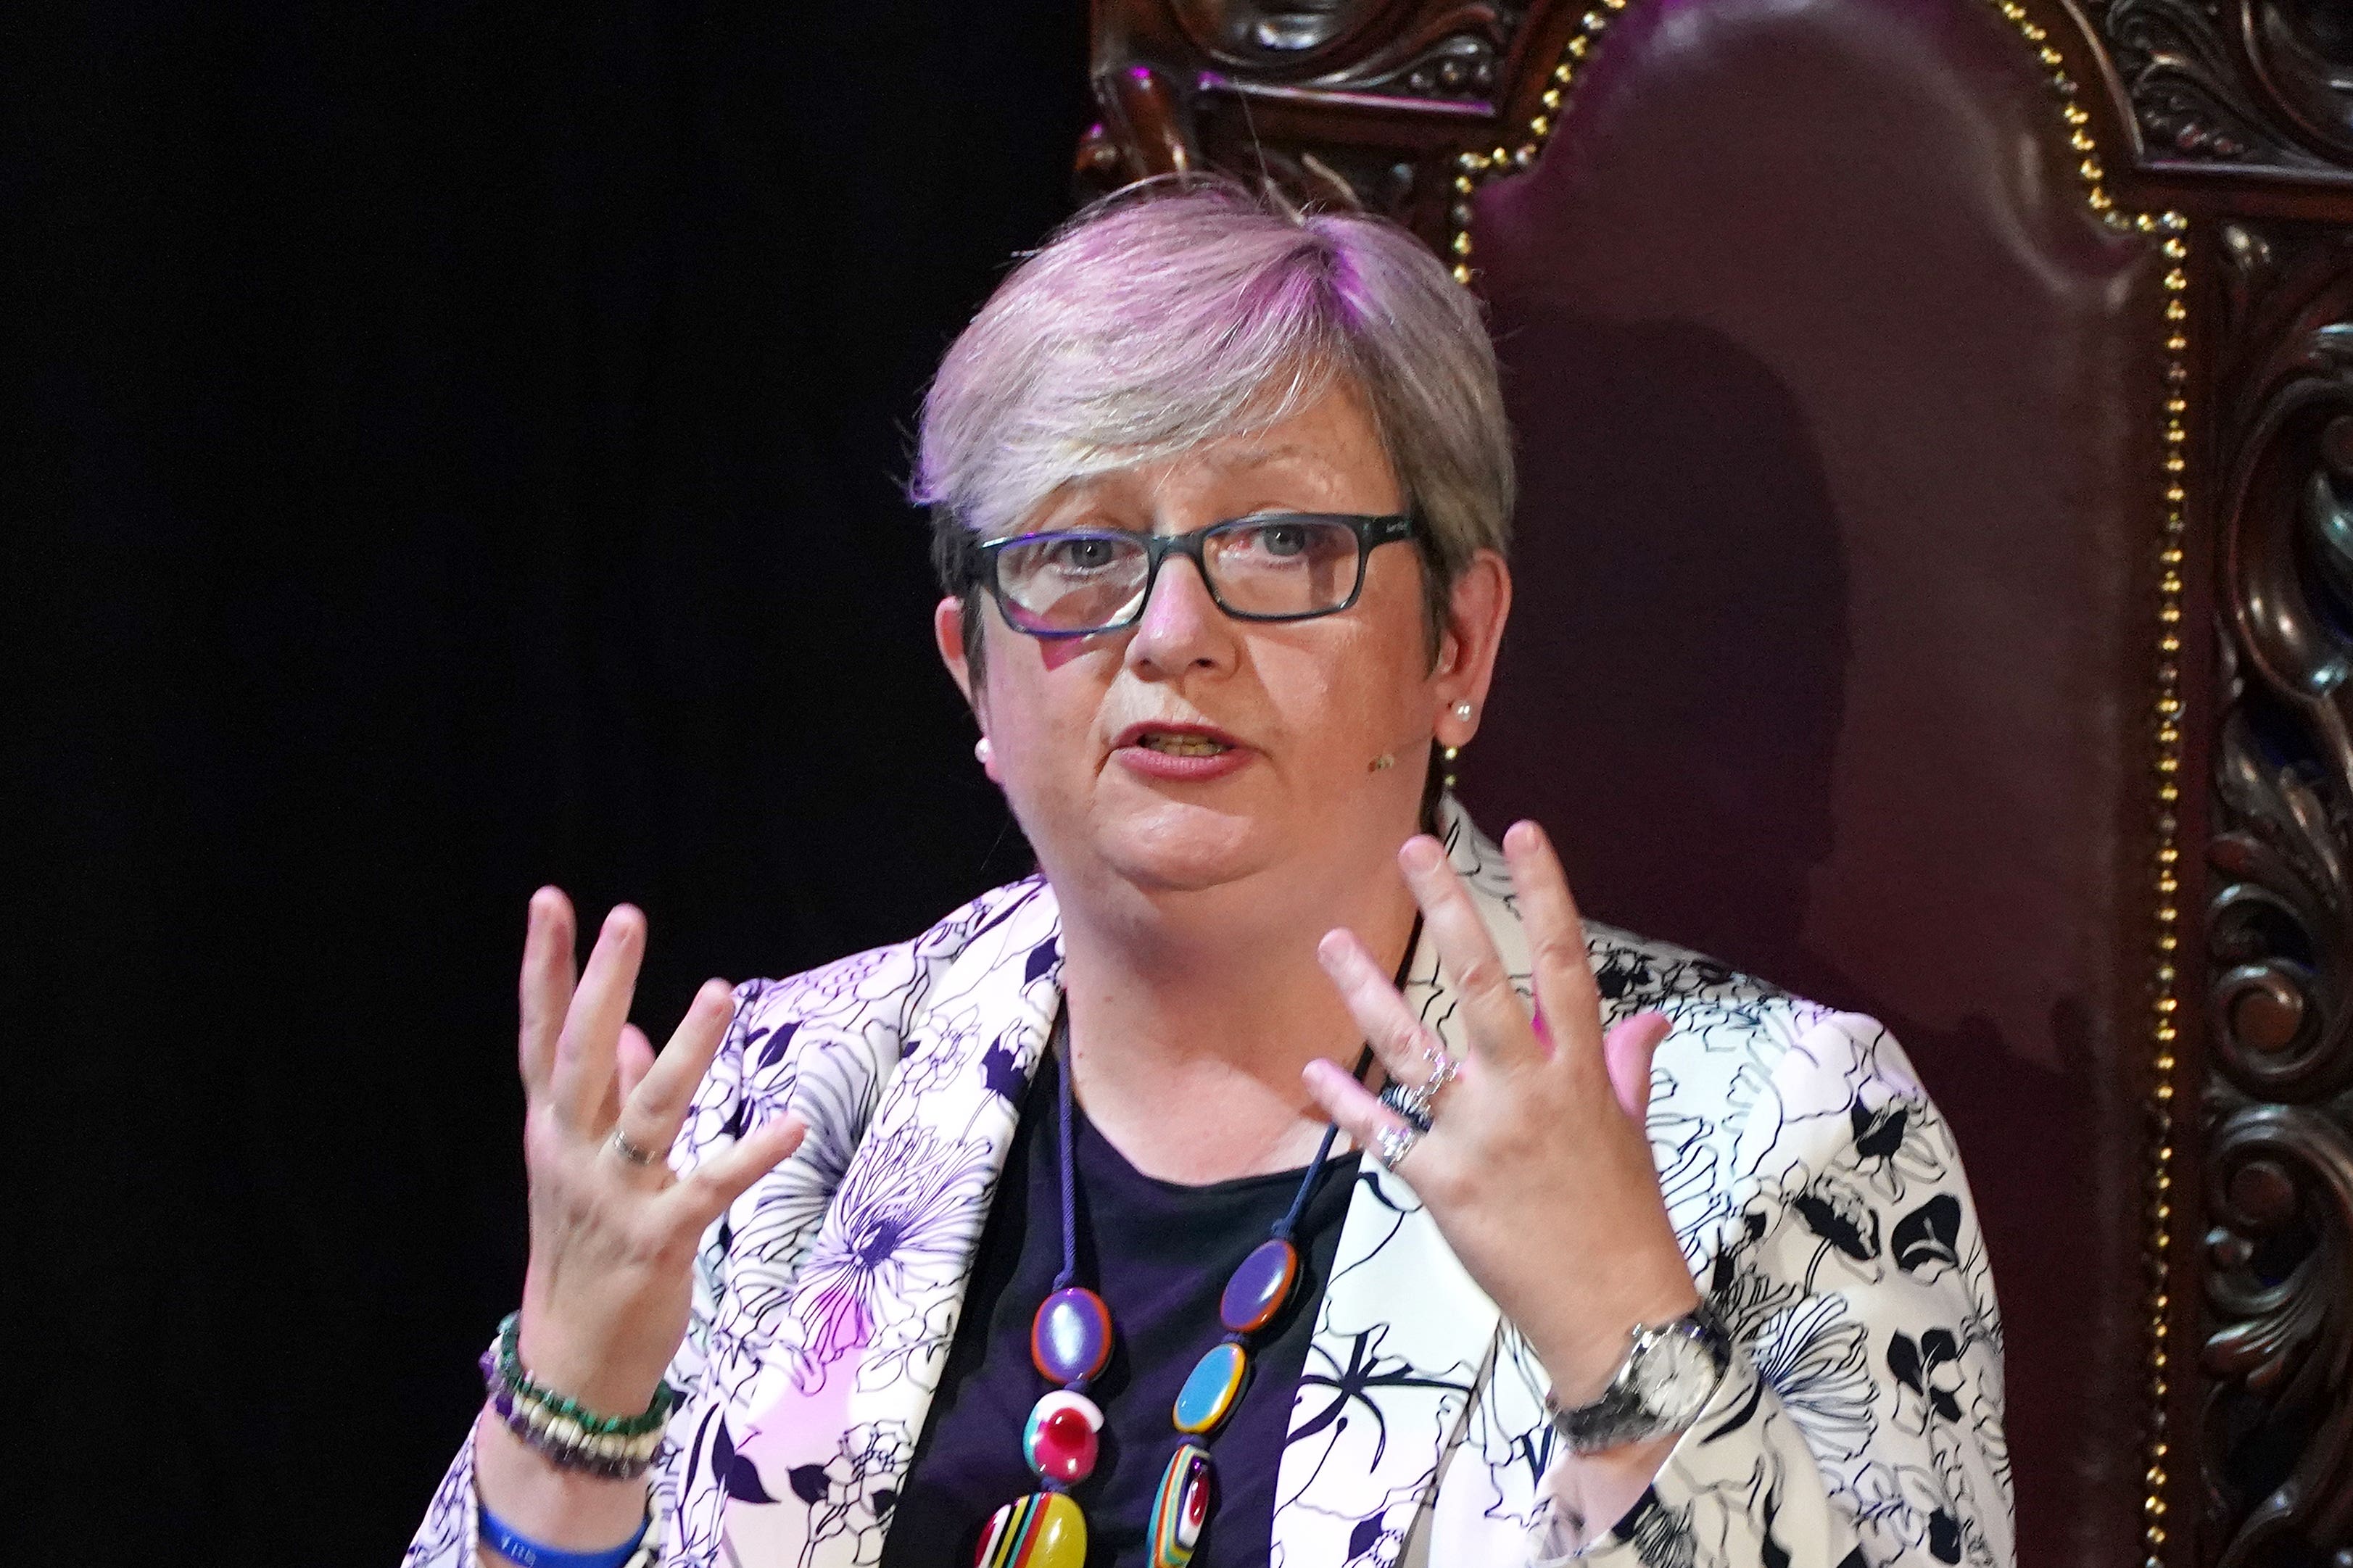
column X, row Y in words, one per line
column 1937, row 594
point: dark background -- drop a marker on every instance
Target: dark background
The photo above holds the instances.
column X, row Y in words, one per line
column 447, row 448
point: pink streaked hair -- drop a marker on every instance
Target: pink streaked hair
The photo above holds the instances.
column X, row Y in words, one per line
column 1183, row 310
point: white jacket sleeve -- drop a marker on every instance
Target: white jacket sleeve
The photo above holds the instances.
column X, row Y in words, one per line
column 448, row 1536
column 1830, row 1226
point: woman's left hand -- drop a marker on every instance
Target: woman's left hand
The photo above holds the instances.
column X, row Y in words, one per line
column 1536, row 1167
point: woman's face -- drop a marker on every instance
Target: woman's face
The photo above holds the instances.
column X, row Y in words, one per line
column 1193, row 750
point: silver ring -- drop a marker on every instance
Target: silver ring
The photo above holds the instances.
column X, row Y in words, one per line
column 1412, row 1104
column 1392, row 1144
column 1443, row 1069
column 1413, row 1101
column 630, row 1151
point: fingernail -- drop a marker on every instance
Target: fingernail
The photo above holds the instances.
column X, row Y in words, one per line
column 1422, row 853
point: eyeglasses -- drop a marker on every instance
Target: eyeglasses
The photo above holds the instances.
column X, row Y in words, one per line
column 1274, row 566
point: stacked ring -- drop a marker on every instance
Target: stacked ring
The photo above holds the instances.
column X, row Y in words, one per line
column 1413, row 1101
column 1412, row 1104
column 1392, row 1144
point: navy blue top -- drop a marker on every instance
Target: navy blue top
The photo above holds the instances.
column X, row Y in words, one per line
column 1158, row 1253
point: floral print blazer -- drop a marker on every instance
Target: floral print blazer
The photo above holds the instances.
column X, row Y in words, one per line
column 1817, row 1193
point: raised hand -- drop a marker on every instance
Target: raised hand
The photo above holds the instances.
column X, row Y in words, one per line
column 1537, row 1168
column 613, row 1228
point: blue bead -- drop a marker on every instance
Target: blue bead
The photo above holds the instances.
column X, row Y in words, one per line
column 1211, row 1388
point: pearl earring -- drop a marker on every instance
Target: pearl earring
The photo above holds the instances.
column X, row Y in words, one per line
column 1463, row 710
column 980, row 750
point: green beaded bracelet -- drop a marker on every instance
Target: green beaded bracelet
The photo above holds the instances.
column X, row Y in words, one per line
column 519, row 1386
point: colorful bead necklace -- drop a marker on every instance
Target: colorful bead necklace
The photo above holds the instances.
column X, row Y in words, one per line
column 1070, row 1342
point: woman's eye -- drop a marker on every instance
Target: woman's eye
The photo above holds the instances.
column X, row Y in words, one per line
column 1283, row 538
column 1082, row 554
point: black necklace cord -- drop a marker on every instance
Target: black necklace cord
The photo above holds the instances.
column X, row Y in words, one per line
column 1062, row 1037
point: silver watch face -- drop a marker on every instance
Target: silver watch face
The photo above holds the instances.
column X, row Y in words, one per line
column 1674, row 1376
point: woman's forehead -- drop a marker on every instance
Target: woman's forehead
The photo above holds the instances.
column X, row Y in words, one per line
column 1329, row 449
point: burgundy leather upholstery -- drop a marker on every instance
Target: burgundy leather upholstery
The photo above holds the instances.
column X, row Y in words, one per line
column 1838, row 413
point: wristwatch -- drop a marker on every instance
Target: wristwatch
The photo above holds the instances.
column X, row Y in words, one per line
column 1670, row 1374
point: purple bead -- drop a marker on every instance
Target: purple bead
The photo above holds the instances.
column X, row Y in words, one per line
column 1070, row 1339
column 1259, row 1287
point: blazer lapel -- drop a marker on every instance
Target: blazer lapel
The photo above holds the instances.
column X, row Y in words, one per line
column 829, row 1426
column 1403, row 1333
column 819, row 1442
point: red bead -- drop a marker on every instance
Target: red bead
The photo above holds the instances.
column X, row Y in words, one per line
column 1059, row 1439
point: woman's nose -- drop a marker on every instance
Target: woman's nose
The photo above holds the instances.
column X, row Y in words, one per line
column 1182, row 627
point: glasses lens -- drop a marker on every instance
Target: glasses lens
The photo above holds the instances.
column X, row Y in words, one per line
column 1071, row 581
column 1282, row 565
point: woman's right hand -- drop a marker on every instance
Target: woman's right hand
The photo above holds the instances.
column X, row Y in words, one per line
column 613, row 1241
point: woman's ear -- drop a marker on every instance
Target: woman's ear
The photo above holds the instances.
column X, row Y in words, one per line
column 947, row 631
column 1476, row 608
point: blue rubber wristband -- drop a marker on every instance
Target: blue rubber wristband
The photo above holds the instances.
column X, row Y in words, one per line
column 522, row 1551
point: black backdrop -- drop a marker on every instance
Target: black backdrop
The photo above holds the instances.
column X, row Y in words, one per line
column 449, row 448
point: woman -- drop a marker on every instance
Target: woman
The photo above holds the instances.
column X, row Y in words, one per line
column 1029, row 1238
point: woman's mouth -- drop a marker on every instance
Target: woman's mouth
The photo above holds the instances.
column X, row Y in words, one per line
column 1182, row 753
column 1169, row 745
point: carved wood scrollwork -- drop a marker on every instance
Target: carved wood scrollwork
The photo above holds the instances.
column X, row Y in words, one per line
column 1348, row 102
column 2278, row 1414
column 2262, row 81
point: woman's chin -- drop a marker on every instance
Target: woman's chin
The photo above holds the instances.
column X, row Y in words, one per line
column 1182, row 848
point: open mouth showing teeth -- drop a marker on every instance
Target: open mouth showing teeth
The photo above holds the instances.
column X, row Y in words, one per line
column 1183, row 745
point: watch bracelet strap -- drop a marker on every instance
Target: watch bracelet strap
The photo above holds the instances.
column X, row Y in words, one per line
column 1617, row 1415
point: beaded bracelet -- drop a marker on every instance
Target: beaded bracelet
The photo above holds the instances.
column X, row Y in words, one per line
column 620, row 1448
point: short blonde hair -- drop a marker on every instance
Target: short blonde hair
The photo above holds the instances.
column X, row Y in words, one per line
column 1186, row 310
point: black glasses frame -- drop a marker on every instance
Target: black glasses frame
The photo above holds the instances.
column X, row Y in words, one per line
column 1371, row 532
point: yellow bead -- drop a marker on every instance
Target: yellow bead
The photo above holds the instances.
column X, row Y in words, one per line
column 1044, row 1530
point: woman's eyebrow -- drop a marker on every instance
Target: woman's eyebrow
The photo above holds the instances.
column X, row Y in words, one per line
column 1258, row 456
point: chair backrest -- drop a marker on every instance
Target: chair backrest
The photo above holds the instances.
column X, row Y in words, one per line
column 1838, row 623
column 1890, row 409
